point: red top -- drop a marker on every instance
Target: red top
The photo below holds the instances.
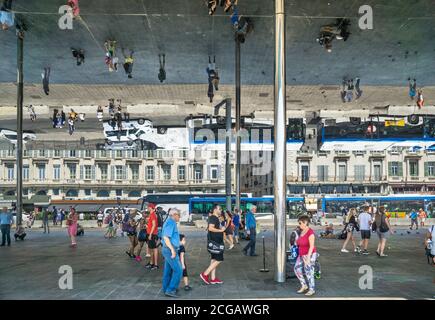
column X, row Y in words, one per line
column 304, row 244
column 152, row 217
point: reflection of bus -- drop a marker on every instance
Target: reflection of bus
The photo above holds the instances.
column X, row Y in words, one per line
column 212, row 130
column 396, row 205
column 202, row 206
column 377, row 132
column 178, row 200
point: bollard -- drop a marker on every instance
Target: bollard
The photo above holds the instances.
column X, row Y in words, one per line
column 264, row 258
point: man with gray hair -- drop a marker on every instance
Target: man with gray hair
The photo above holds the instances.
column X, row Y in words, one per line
column 173, row 270
column 251, row 226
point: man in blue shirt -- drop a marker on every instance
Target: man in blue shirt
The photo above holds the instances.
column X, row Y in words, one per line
column 251, row 225
column 6, row 16
column 173, row 270
column 5, row 226
column 413, row 217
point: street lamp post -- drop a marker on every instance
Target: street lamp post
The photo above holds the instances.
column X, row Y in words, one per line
column 19, row 150
column 280, row 143
column 238, row 116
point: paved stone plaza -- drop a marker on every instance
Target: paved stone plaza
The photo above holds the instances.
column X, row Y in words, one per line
column 102, row 270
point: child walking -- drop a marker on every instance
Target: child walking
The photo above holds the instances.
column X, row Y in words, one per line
column 182, row 254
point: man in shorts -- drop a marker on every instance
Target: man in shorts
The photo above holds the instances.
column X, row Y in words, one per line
column 365, row 222
column 152, row 232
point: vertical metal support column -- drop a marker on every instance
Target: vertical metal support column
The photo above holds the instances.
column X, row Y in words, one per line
column 19, row 150
column 238, row 116
column 280, row 149
column 228, row 153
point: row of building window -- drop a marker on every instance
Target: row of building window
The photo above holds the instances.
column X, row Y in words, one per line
column 395, row 169
column 87, row 172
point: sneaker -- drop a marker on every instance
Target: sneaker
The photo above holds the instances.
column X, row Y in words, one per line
column 254, row 255
column 148, row 255
column 204, row 278
column 171, row 294
column 231, row 246
column 344, row 250
column 216, row 281
column 138, row 259
column 148, row 266
column 155, row 267
column 310, row 293
column 245, row 252
column 187, row 288
column 302, row 289
column 383, row 255
column 365, row 252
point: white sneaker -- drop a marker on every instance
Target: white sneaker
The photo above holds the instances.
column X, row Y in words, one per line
column 148, row 255
column 231, row 246
column 310, row 293
column 344, row 250
column 302, row 289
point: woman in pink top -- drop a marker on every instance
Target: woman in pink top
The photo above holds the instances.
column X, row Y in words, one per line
column 307, row 256
column 72, row 226
column 74, row 4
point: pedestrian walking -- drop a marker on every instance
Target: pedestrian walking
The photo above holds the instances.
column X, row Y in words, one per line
column 351, row 225
column 32, row 112
column 172, row 271
column 6, row 15
column 129, row 225
column 44, row 216
column 110, row 46
column 430, row 245
column 420, row 99
column 152, row 232
column 55, row 211
column 236, row 223
column 251, row 227
column 182, row 254
column 213, row 78
column 365, row 225
column 128, row 63
column 412, row 88
column 61, row 217
column 142, row 236
column 6, row 221
column 162, row 71
column 71, row 222
column 229, row 229
column 63, row 118
column 109, row 222
column 382, row 227
column 79, row 55
column 358, row 90
column 307, row 257
column 215, row 246
column 414, row 219
column 422, row 217
column 71, row 127
column 46, row 80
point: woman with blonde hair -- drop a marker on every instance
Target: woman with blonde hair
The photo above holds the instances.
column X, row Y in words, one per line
column 350, row 226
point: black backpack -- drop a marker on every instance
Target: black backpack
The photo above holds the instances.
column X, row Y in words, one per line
column 160, row 219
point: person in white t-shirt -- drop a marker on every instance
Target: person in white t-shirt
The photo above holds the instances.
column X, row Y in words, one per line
column 429, row 242
column 100, row 217
column 365, row 222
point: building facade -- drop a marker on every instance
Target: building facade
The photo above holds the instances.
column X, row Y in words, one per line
column 350, row 172
column 111, row 174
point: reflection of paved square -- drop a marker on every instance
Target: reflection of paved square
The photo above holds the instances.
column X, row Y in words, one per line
column 103, row 271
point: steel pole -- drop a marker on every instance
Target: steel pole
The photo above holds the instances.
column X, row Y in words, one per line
column 19, row 150
column 238, row 115
column 280, row 143
column 228, row 153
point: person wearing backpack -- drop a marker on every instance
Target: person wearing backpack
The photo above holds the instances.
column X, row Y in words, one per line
column 382, row 227
column 429, row 244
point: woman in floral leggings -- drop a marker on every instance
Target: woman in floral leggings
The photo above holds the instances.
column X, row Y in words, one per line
column 307, row 257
